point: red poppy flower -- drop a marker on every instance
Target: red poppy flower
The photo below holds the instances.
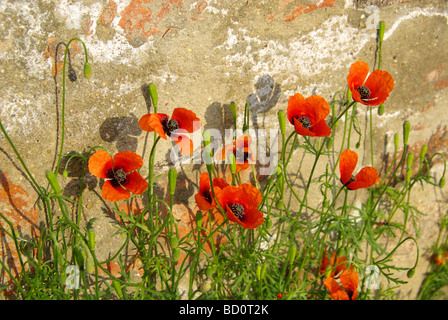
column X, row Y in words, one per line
column 340, row 264
column 365, row 178
column 240, row 204
column 182, row 121
column 120, row 174
column 349, row 291
column 204, row 198
column 240, row 148
column 308, row 115
column 367, row 89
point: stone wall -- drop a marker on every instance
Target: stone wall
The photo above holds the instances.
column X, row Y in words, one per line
column 203, row 54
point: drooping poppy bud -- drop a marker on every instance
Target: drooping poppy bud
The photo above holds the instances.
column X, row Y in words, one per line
column 87, row 70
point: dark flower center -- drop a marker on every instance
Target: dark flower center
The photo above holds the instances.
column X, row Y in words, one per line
column 364, row 92
column 351, row 180
column 207, row 196
column 169, row 126
column 305, row 121
column 242, row 156
column 117, row 177
column 237, row 209
column 349, row 293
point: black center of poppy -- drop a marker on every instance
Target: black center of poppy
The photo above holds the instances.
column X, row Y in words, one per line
column 237, row 209
column 364, row 92
column 243, row 156
column 305, row 121
column 351, row 180
column 170, row 125
column 207, row 196
column 349, row 293
column 117, row 177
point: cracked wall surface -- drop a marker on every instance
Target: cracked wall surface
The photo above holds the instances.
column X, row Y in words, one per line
column 203, row 54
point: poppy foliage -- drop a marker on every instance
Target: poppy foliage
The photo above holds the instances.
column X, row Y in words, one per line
column 240, row 204
column 120, row 174
column 182, row 121
column 308, row 115
column 370, row 89
column 365, row 178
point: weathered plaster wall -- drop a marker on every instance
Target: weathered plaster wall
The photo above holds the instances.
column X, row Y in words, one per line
column 203, row 55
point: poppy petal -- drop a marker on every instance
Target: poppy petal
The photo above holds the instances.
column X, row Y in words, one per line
column 366, row 178
column 243, row 141
column 220, row 183
column 357, row 75
column 153, row 122
column 202, row 203
column 317, row 108
column 99, row 163
column 127, row 160
column 135, row 183
column 332, row 285
column 347, row 164
column 295, row 109
column 113, row 194
column 349, row 280
column 187, row 119
column 204, row 182
column 253, row 195
column 380, row 83
column 184, row 143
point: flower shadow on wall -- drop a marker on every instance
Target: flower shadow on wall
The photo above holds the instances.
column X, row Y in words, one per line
column 264, row 99
column 122, row 130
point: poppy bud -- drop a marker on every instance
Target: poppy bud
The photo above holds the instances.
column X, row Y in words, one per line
column 396, row 141
column 292, row 254
column 258, row 272
column 330, row 142
column 52, row 179
column 263, row 270
column 408, row 175
column 65, row 173
column 205, row 287
column 268, row 222
column 176, row 254
column 210, row 270
column 279, row 204
column 199, row 219
column 411, row 273
column 206, row 138
column 78, row 256
column 281, row 121
column 358, row 144
column 208, row 159
column 117, row 288
column 233, row 109
column 87, row 70
column 90, row 267
column 381, row 110
column 174, row 242
column 232, row 162
column 246, row 117
column 410, row 160
column 406, row 130
column 172, row 179
column 381, row 31
column 91, row 239
column 442, row 182
column 423, row 152
column 349, row 94
column 153, row 94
